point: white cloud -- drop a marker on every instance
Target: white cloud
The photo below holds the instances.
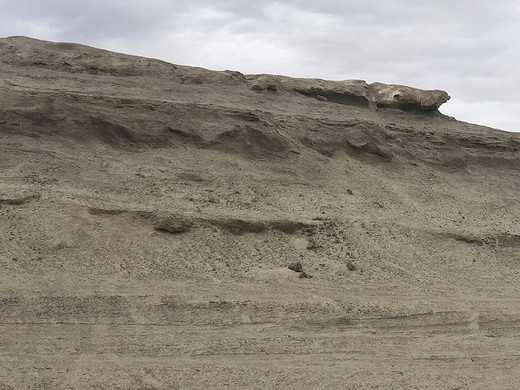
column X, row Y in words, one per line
column 501, row 115
column 33, row 28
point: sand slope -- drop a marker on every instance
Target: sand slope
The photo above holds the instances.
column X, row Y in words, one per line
column 149, row 212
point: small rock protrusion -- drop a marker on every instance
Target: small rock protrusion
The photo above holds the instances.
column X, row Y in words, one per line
column 296, row 267
column 322, row 98
column 351, row 266
column 173, row 224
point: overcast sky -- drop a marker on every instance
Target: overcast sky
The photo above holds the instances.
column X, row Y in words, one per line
column 470, row 48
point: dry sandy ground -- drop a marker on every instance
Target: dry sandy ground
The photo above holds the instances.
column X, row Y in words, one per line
column 407, row 221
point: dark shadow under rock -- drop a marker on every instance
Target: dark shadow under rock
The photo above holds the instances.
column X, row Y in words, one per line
column 173, row 224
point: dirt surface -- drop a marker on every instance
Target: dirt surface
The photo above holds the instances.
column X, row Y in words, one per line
column 149, row 213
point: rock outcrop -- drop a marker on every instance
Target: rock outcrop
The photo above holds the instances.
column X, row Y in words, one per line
column 406, row 98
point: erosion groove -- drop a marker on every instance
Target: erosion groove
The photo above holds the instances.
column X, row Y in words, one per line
column 137, row 213
column 335, row 97
column 18, row 199
column 175, row 223
column 504, row 240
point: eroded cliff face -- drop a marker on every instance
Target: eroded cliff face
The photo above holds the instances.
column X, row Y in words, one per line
column 154, row 208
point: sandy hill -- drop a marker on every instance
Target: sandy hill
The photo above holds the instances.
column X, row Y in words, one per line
column 149, row 213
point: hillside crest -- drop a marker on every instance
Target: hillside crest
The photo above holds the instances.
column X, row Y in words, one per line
column 75, row 58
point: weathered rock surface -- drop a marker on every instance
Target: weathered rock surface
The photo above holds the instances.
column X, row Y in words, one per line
column 354, row 92
column 406, row 219
column 399, row 96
